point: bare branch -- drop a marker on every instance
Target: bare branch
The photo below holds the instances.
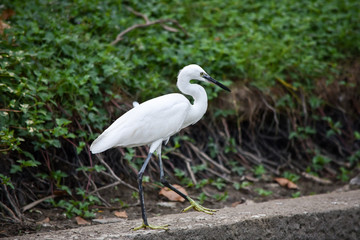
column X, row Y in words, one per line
column 8, row 110
column 138, row 14
column 316, row 179
column 187, row 162
column 207, row 158
column 113, row 175
column 148, row 23
column 16, row 214
column 33, row 204
column 108, row 186
column 90, row 181
column 11, row 213
column 272, row 109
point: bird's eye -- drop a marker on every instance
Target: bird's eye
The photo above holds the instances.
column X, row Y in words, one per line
column 202, row 74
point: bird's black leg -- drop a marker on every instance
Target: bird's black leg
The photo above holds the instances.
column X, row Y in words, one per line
column 165, row 182
column 141, row 195
column 194, row 204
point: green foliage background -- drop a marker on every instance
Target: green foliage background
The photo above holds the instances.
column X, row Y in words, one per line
column 59, row 73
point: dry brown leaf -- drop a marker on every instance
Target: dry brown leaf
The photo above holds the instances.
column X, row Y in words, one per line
column 7, row 13
column 45, row 220
column 122, row 214
column 60, row 193
column 234, row 204
column 81, row 221
column 292, row 185
column 284, row 182
column 171, row 195
column 242, row 200
column 3, row 26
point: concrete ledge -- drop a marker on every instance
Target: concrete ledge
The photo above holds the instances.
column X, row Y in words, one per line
column 327, row 216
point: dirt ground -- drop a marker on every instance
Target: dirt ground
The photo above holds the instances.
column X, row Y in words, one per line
column 41, row 219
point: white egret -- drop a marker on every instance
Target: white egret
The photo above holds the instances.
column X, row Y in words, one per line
column 154, row 121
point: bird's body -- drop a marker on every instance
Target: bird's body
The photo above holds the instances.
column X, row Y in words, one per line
column 156, row 120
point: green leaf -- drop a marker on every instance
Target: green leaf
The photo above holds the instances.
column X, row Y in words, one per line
column 66, row 189
column 83, row 168
column 15, row 168
column 357, row 135
column 296, row 194
column 263, row 192
column 237, row 185
column 219, row 183
column 29, row 163
column 62, row 122
column 259, row 170
column 6, row 181
column 99, row 168
column 80, row 147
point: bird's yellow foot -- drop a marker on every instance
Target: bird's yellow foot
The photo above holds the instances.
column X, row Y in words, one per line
column 198, row 207
column 144, row 226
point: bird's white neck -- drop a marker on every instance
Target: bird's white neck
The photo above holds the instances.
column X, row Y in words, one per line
column 196, row 91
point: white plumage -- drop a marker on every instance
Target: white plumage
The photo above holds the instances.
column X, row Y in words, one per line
column 156, row 120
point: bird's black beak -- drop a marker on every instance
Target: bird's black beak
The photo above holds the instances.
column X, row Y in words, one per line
column 210, row 79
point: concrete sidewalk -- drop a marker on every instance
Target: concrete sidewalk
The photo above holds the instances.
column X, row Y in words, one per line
column 326, row 216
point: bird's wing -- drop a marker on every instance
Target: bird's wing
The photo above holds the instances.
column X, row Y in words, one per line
column 158, row 118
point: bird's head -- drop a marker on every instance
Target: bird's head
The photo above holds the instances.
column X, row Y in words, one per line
column 195, row 72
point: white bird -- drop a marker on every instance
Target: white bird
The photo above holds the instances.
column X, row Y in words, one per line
column 155, row 121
